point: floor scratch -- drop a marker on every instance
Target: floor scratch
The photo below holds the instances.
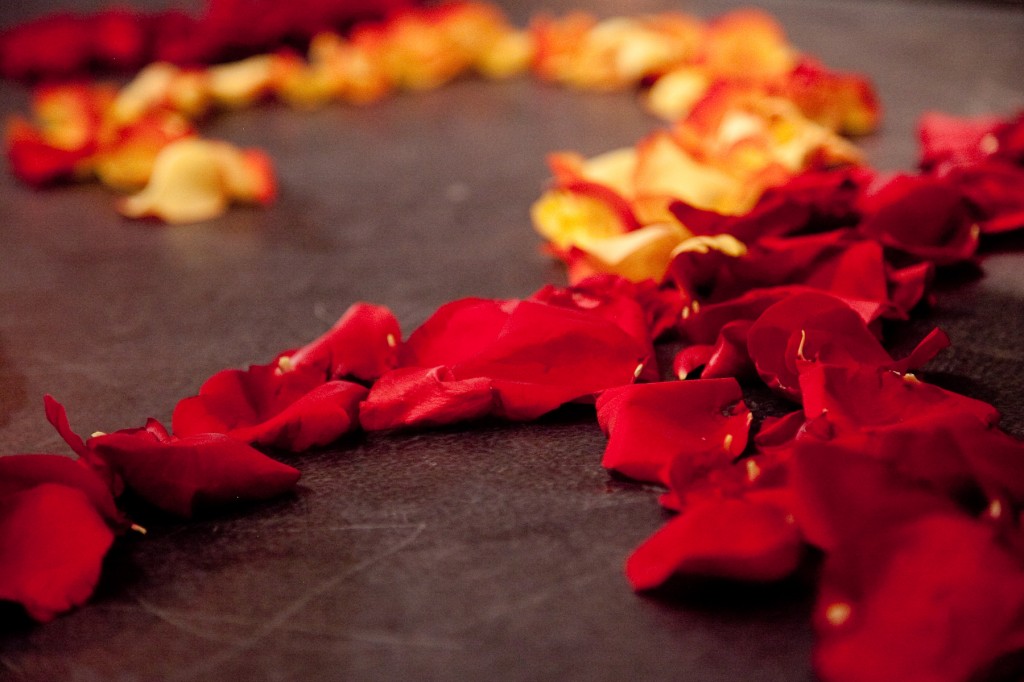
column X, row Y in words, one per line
column 196, row 623
column 295, row 607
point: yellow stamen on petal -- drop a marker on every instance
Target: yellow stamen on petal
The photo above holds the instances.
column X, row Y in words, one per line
column 838, row 614
column 800, row 348
column 753, row 470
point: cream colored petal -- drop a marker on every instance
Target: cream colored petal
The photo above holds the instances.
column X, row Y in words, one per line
column 186, row 186
column 241, row 83
column 673, row 95
column 147, row 90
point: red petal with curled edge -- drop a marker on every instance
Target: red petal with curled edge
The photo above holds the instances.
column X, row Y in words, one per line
column 182, row 475
column 994, row 191
column 534, row 356
column 363, row 344
column 935, row 438
column 640, row 310
column 651, row 425
column 778, row 433
column 840, row 262
column 547, row 356
column 925, row 217
column 948, row 141
column 820, row 328
column 22, row 472
column 690, row 359
column 759, row 477
column 728, row 357
column 457, row 331
column 706, row 325
column 936, row 599
column 730, row 538
column 416, row 396
column 814, row 201
column 52, row 543
column 58, row 418
column 864, row 397
column 293, row 410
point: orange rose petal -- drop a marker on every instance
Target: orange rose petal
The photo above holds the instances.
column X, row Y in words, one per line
column 126, row 159
column 747, row 45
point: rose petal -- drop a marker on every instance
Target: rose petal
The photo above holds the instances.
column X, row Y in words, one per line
column 936, row 599
column 416, row 396
column 22, row 472
column 925, row 217
column 195, row 180
column 292, row 410
column 813, row 327
column 52, row 543
column 732, row 538
column 182, row 475
column 535, row 356
column 650, row 425
column 362, row 344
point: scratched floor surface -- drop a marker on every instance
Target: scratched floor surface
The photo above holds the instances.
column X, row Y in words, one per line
column 485, row 552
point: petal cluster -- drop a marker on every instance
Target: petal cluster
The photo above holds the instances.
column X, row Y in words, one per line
column 748, row 232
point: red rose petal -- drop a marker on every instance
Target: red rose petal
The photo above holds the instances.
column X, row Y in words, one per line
column 732, row 538
column 363, row 344
column 455, row 332
column 839, row 494
column 930, row 436
column 809, row 326
column 926, row 217
column 820, row 328
column 417, row 396
column 293, row 410
column 599, row 295
column 52, row 543
column 728, row 357
column 814, row 201
column 21, row 472
column 948, row 141
column 650, row 425
column 936, row 599
column 534, row 356
column 838, row 262
column 856, row 397
column 183, row 474
column 994, row 190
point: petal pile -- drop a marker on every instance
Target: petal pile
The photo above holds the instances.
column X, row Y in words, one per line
column 749, row 110
column 747, row 231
